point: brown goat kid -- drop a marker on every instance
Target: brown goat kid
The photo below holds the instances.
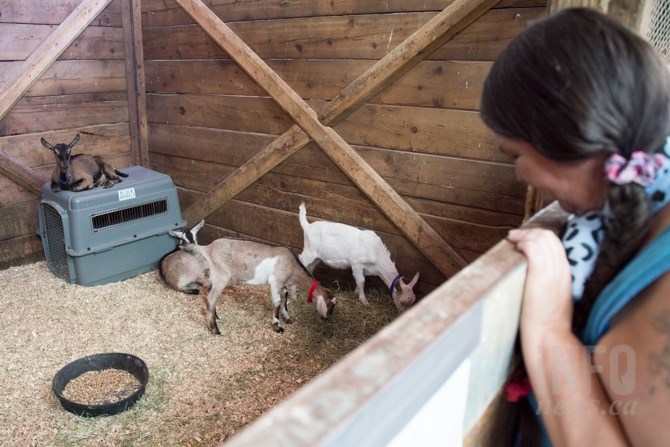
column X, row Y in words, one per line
column 255, row 263
column 82, row 171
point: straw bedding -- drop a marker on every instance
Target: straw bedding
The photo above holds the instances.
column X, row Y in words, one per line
column 202, row 388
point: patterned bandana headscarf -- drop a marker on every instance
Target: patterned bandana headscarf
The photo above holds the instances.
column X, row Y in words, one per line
column 584, row 234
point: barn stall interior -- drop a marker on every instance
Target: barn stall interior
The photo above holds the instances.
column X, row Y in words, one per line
column 365, row 111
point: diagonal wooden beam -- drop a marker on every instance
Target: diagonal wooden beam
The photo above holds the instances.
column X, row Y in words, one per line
column 260, row 164
column 19, row 173
column 406, row 55
column 423, row 42
column 447, row 260
column 47, row 52
column 31, row 70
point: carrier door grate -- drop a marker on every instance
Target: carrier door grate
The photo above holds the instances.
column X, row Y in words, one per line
column 112, row 219
column 55, row 237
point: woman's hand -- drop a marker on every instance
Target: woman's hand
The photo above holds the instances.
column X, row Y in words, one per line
column 571, row 399
column 547, row 303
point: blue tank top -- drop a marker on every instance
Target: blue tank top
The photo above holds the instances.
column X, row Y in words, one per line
column 649, row 265
column 652, row 262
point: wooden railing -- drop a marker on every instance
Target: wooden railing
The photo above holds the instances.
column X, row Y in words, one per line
column 434, row 376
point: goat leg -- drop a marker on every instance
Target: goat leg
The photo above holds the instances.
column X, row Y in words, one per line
column 212, row 298
column 204, row 298
column 276, row 305
column 206, row 286
column 359, row 277
column 276, row 324
column 284, row 306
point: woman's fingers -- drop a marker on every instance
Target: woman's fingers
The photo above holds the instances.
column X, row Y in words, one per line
column 547, row 296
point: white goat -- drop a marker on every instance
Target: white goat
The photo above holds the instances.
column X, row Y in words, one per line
column 255, row 263
column 342, row 246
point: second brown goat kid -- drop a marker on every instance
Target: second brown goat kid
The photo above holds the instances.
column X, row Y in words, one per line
column 81, row 171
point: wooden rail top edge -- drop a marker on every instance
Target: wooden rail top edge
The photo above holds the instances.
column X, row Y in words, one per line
column 313, row 413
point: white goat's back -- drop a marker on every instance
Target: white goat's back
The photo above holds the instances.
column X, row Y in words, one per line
column 336, row 243
column 341, row 246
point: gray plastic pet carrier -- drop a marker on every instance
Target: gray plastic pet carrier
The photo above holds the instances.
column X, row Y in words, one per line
column 110, row 234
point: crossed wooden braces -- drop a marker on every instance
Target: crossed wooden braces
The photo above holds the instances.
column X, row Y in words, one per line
column 309, row 126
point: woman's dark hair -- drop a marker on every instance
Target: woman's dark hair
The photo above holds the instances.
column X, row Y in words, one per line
column 578, row 84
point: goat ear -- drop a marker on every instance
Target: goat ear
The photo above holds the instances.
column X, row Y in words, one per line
column 46, row 144
column 321, row 306
column 74, row 141
column 197, row 228
column 414, row 280
column 176, row 233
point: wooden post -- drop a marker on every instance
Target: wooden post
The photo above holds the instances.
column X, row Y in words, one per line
column 137, row 100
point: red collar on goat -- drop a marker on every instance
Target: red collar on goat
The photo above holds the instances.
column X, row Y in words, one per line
column 311, row 291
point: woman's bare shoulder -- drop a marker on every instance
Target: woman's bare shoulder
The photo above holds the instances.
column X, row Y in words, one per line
column 633, row 360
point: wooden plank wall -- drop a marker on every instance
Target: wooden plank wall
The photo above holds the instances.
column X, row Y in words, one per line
column 206, row 117
column 422, row 134
column 83, row 91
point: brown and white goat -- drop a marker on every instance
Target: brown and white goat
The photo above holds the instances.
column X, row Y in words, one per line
column 341, row 246
column 256, row 263
column 82, row 171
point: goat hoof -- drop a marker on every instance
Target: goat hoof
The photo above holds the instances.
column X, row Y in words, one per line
column 288, row 320
column 215, row 330
column 277, row 328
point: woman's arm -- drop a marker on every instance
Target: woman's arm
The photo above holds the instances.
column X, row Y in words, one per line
column 633, row 358
column 571, row 399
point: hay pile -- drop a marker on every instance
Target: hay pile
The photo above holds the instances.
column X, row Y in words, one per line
column 202, row 388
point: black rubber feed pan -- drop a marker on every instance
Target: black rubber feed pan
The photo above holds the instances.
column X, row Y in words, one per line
column 101, row 362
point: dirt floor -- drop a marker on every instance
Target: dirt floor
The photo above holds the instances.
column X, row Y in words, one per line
column 202, row 388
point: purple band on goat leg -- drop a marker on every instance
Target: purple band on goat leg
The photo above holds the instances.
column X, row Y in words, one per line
column 395, row 280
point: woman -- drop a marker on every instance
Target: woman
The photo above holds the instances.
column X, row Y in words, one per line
column 582, row 105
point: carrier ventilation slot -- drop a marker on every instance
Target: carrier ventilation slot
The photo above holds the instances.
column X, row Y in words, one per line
column 112, row 219
column 55, row 237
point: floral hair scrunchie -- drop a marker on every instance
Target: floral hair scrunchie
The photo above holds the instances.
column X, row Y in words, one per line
column 641, row 168
column 584, row 233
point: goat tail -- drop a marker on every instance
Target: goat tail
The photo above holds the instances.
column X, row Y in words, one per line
column 120, row 174
column 303, row 216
